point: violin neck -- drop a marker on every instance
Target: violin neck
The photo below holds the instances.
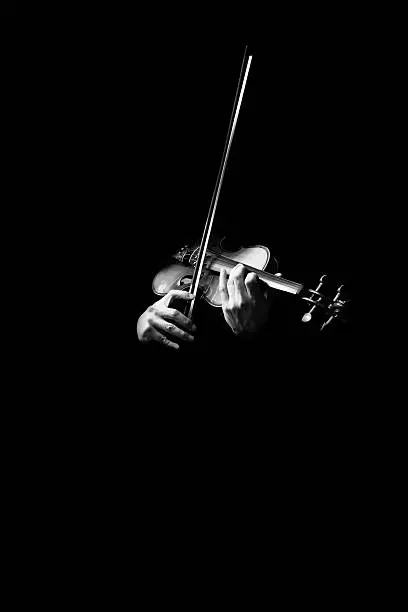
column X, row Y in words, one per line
column 273, row 281
column 279, row 283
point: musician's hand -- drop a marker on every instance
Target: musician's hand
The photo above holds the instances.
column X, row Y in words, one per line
column 245, row 300
column 159, row 320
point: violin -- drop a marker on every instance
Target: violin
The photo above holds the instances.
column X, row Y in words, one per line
column 198, row 266
column 255, row 259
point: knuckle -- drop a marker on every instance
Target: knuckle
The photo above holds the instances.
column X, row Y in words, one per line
column 145, row 336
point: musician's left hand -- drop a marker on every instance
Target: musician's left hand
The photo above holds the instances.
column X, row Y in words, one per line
column 245, row 300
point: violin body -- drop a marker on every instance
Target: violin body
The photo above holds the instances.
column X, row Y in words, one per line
column 256, row 259
column 179, row 276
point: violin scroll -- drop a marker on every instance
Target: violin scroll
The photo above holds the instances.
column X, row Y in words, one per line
column 334, row 307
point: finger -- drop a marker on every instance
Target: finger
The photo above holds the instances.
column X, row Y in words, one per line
column 238, row 274
column 231, row 286
column 222, row 286
column 252, row 285
column 176, row 293
column 175, row 316
column 158, row 337
column 264, row 289
column 172, row 329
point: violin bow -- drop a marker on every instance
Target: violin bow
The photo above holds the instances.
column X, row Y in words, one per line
column 243, row 77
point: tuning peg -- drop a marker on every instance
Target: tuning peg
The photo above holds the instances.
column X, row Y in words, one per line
column 308, row 315
column 337, row 305
column 336, row 297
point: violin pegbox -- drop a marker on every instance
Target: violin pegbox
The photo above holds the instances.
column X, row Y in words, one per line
column 331, row 307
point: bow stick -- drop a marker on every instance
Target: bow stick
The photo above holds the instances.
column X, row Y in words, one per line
column 214, row 200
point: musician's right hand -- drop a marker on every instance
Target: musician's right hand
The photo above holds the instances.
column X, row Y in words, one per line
column 160, row 321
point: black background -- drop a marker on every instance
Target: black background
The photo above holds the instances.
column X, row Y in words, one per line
column 8, row 8
column 142, row 124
